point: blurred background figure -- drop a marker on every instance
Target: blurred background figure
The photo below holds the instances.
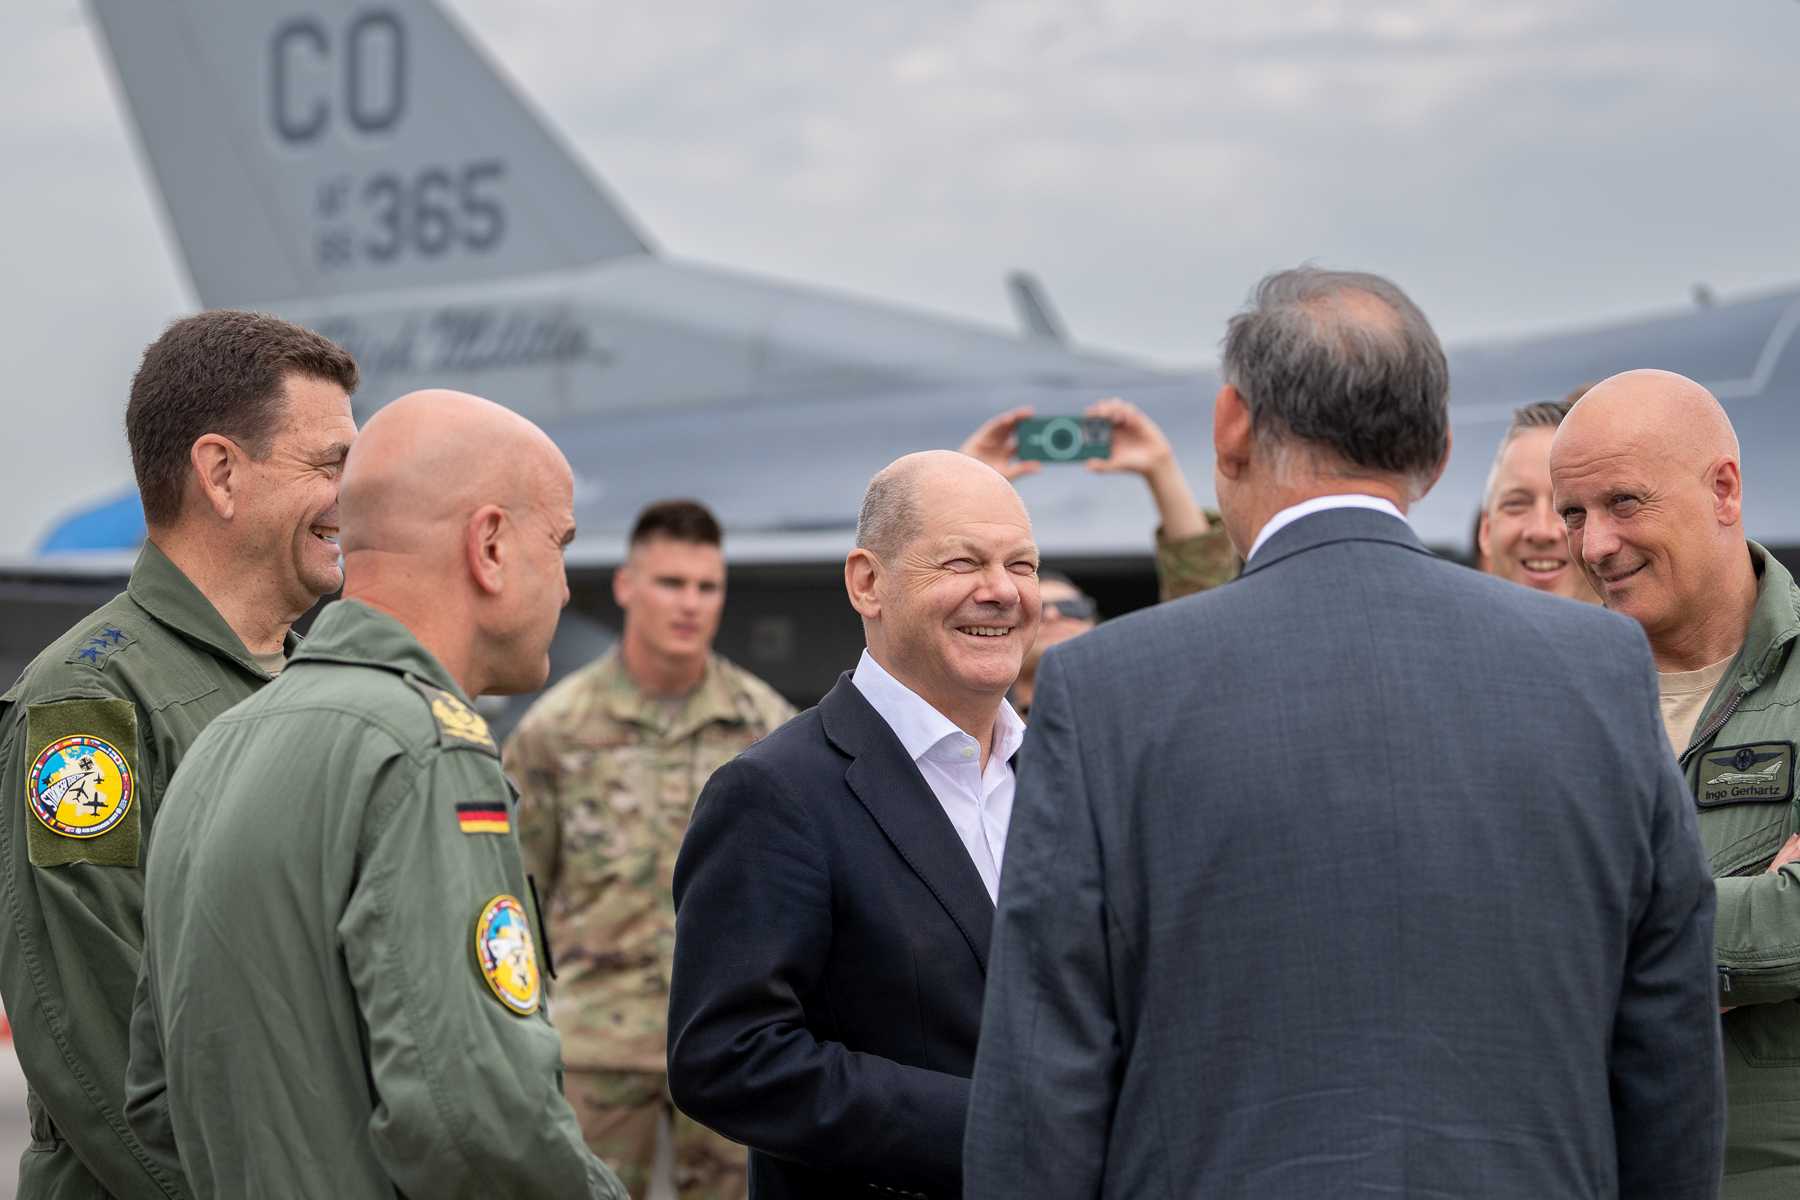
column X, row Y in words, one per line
column 1067, row 612
column 1192, row 551
column 1519, row 535
column 609, row 763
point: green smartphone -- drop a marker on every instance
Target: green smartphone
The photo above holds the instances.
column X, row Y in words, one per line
column 1064, row 439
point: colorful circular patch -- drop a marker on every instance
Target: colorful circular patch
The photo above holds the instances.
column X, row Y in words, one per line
column 506, row 954
column 79, row 786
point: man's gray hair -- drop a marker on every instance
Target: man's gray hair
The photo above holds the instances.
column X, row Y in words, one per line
column 889, row 517
column 1544, row 414
column 1341, row 365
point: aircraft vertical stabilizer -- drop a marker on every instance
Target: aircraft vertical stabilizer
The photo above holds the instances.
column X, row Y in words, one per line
column 333, row 147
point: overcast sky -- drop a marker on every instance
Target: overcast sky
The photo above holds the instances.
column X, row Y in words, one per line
column 1516, row 166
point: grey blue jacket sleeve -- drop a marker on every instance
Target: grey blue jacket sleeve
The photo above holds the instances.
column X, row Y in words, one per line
column 1046, row 1073
column 1666, row 1064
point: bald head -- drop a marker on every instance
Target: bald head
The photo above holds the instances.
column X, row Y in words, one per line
column 1649, row 413
column 944, row 577
column 454, row 512
column 429, row 459
column 895, row 507
column 1645, row 474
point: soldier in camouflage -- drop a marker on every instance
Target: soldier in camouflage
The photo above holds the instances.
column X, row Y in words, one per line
column 609, row 764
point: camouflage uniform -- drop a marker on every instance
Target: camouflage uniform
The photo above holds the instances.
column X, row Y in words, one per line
column 1194, row 564
column 608, row 778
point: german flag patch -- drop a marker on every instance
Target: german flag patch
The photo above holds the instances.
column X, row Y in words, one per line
column 484, row 816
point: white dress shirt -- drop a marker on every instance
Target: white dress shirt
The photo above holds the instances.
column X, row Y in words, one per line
column 978, row 803
column 1307, row 508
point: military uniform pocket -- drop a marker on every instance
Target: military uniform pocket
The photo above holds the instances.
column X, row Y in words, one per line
column 44, row 1135
column 1767, row 1035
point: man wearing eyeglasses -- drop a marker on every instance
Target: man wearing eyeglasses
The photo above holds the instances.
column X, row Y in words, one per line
column 1068, row 612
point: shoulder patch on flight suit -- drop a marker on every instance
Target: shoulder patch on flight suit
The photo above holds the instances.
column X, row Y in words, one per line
column 1757, row 772
column 457, row 723
column 99, row 644
column 506, row 954
column 81, row 783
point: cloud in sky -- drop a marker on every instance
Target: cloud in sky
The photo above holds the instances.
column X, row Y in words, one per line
column 1515, row 166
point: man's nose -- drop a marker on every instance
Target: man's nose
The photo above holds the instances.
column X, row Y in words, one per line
column 998, row 586
column 1544, row 526
column 1597, row 539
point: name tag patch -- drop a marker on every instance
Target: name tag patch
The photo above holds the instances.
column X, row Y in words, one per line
column 1759, row 772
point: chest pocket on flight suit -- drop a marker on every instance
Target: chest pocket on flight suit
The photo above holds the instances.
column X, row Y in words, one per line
column 1743, row 822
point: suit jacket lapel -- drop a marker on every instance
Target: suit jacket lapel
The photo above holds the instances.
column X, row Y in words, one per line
column 889, row 786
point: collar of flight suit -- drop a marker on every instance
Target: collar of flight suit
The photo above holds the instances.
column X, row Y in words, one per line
column 161, row 589
column 1774, row 622
column 349, row 631
column 713, row 701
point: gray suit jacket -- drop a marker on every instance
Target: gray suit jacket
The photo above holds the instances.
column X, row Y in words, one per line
column 1363, row 875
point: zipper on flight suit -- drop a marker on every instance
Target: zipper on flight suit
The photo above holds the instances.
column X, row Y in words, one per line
column 1711, row 729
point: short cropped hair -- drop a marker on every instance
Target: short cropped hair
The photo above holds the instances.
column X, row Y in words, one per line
column 222, row 372
column 679, row 521
column 1317, row 364
column 1541, row 414
column 889, row 517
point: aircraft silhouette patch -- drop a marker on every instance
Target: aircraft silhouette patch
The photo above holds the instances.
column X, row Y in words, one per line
column 1757, row 772
column 79, row 786
column 82, row 782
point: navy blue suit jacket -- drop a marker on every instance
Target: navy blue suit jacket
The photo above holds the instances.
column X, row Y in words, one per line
column 831, row 941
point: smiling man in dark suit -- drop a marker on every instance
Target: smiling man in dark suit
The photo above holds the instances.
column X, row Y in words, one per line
column 836, row 887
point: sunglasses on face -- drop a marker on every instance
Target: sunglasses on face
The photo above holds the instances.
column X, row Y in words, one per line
column 1076, row 608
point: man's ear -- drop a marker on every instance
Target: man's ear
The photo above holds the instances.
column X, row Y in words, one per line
column 862, row 580
column 1438, row 473
column 1483, row 538
column 218, row 464
column 485, row 547
column 1726, row 482
column 621, row 583
column 1233, row 435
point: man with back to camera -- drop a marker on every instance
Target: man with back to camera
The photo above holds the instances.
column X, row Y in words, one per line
column 609, row 764
column 1648, row 482
column 238, row 425
column 343, row 978
column 1519, row 535
column 1417, row 915
column 834, row 894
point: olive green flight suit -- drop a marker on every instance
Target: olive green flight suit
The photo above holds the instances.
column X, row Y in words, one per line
column 1740, row 766
column 342, row 993
column 124, row 692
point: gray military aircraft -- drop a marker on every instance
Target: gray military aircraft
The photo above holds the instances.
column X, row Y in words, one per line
column 359, row 166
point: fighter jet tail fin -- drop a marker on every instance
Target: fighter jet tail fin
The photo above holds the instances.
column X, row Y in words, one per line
column 333, row 147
